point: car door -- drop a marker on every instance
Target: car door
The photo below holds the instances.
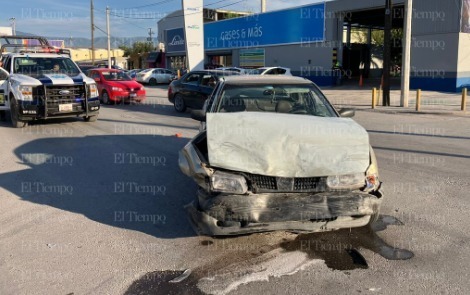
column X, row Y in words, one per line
column 206, row 87
column 96, row 75
column 4, row 76
column 190, row 89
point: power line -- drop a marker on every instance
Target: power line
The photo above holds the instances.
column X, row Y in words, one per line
column 155, row 18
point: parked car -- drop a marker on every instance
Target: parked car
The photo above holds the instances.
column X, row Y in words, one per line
column 133, row 73
column 116, row 86
column 192, row 89
column 155, row 76
column 242, row 71
column 273, row 71
column 276, row 155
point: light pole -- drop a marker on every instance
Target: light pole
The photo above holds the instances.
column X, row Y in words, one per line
column 13, row 25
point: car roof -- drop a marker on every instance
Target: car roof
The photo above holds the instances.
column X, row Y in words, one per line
column 268, row 68
column 281, row 79
column 106, row 69
column 217, row 72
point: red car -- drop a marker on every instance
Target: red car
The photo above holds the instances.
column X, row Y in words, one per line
column 116, row 86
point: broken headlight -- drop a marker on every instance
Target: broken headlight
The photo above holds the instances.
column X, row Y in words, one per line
column 228, row 183
column 348, row 181
column 372, row 174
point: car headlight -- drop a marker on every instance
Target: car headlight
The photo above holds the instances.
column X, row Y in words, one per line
column 372, row 174
column 228, row 183
column 348, row 181
column 117, row 89
column 26, row 93
column 93, row 90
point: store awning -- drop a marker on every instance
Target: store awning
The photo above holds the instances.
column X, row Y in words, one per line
column 154, row 56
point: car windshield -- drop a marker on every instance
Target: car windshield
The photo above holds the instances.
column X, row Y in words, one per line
column 38, row 66
column 116, row 76
column 293, row 99
column 255, row 72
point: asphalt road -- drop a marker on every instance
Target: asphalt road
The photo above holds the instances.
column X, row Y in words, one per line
column 97, row 208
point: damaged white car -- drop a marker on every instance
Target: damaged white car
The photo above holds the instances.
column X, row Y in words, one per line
column 275, row 155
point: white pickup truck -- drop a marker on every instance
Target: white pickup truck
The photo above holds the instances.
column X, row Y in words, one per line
column 38, row 81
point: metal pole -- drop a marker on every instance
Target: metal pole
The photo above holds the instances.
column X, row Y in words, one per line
column 92, row 33
column 418, row 100
column 263, row 5
column 13, row 25
column 464, row 99
column 109, row 37
column 374, row 97
column 387, row 52
column 406, row 62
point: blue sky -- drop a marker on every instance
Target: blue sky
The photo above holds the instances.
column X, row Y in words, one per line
column 72, row 18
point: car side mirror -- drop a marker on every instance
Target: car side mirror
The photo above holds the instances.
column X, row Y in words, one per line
column 97, row 80
column 198, row 115
column 347, row 113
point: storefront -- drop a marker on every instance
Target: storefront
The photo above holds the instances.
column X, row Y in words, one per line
column 312, row 40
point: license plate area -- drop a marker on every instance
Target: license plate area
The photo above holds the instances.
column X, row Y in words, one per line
column 66, row 107
column 133, row 95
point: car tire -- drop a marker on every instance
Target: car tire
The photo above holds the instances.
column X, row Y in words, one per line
column 90, row 118
column 15, row 122
column 179, row 104
column 105, row 97
column 153, row 82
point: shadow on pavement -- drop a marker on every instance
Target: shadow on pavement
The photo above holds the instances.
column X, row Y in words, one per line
column 127, row 181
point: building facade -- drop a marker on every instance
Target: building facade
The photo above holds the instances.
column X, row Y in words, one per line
column 313, row 40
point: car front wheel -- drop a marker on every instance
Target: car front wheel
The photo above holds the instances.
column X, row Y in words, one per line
column 153, row 82
column 15, row 122
column 180, row 106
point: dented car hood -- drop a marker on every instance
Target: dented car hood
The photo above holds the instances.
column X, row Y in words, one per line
column 286, row 145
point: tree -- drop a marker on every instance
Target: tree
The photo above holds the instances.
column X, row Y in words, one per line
column 137, row 47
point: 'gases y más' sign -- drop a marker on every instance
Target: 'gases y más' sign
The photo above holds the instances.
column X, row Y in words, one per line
column 290, row 26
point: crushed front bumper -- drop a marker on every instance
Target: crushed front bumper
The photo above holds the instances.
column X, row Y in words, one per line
column 301, row 212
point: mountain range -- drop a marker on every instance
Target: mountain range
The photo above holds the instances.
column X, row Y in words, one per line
column 100, row 42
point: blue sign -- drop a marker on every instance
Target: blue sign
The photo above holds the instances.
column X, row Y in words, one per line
column 291, row 26
column 175, row 40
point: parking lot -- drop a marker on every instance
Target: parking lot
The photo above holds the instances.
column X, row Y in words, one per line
column 98, row 208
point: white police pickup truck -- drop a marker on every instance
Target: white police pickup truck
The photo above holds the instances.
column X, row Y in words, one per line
column 38, row 81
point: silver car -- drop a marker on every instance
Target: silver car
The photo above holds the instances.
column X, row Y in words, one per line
column 275, row 155
column 155, row 76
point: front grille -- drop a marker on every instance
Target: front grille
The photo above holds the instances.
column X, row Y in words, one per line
column 59, row 94
column 262, row 183
column 302, row 184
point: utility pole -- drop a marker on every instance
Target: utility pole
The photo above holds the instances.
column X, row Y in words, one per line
column 150, row 36
column 387, row 52
column 92, row 33
column 109, row 37
column 406, row 63
column 13, row 25
column 263, row 5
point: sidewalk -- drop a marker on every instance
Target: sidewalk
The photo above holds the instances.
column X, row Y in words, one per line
column 360, row 98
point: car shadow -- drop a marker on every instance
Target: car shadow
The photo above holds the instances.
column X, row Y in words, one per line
column 126, row 181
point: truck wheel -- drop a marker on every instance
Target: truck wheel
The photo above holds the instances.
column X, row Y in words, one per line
column 90, row 118
column 15, row 122
column 153, row 82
